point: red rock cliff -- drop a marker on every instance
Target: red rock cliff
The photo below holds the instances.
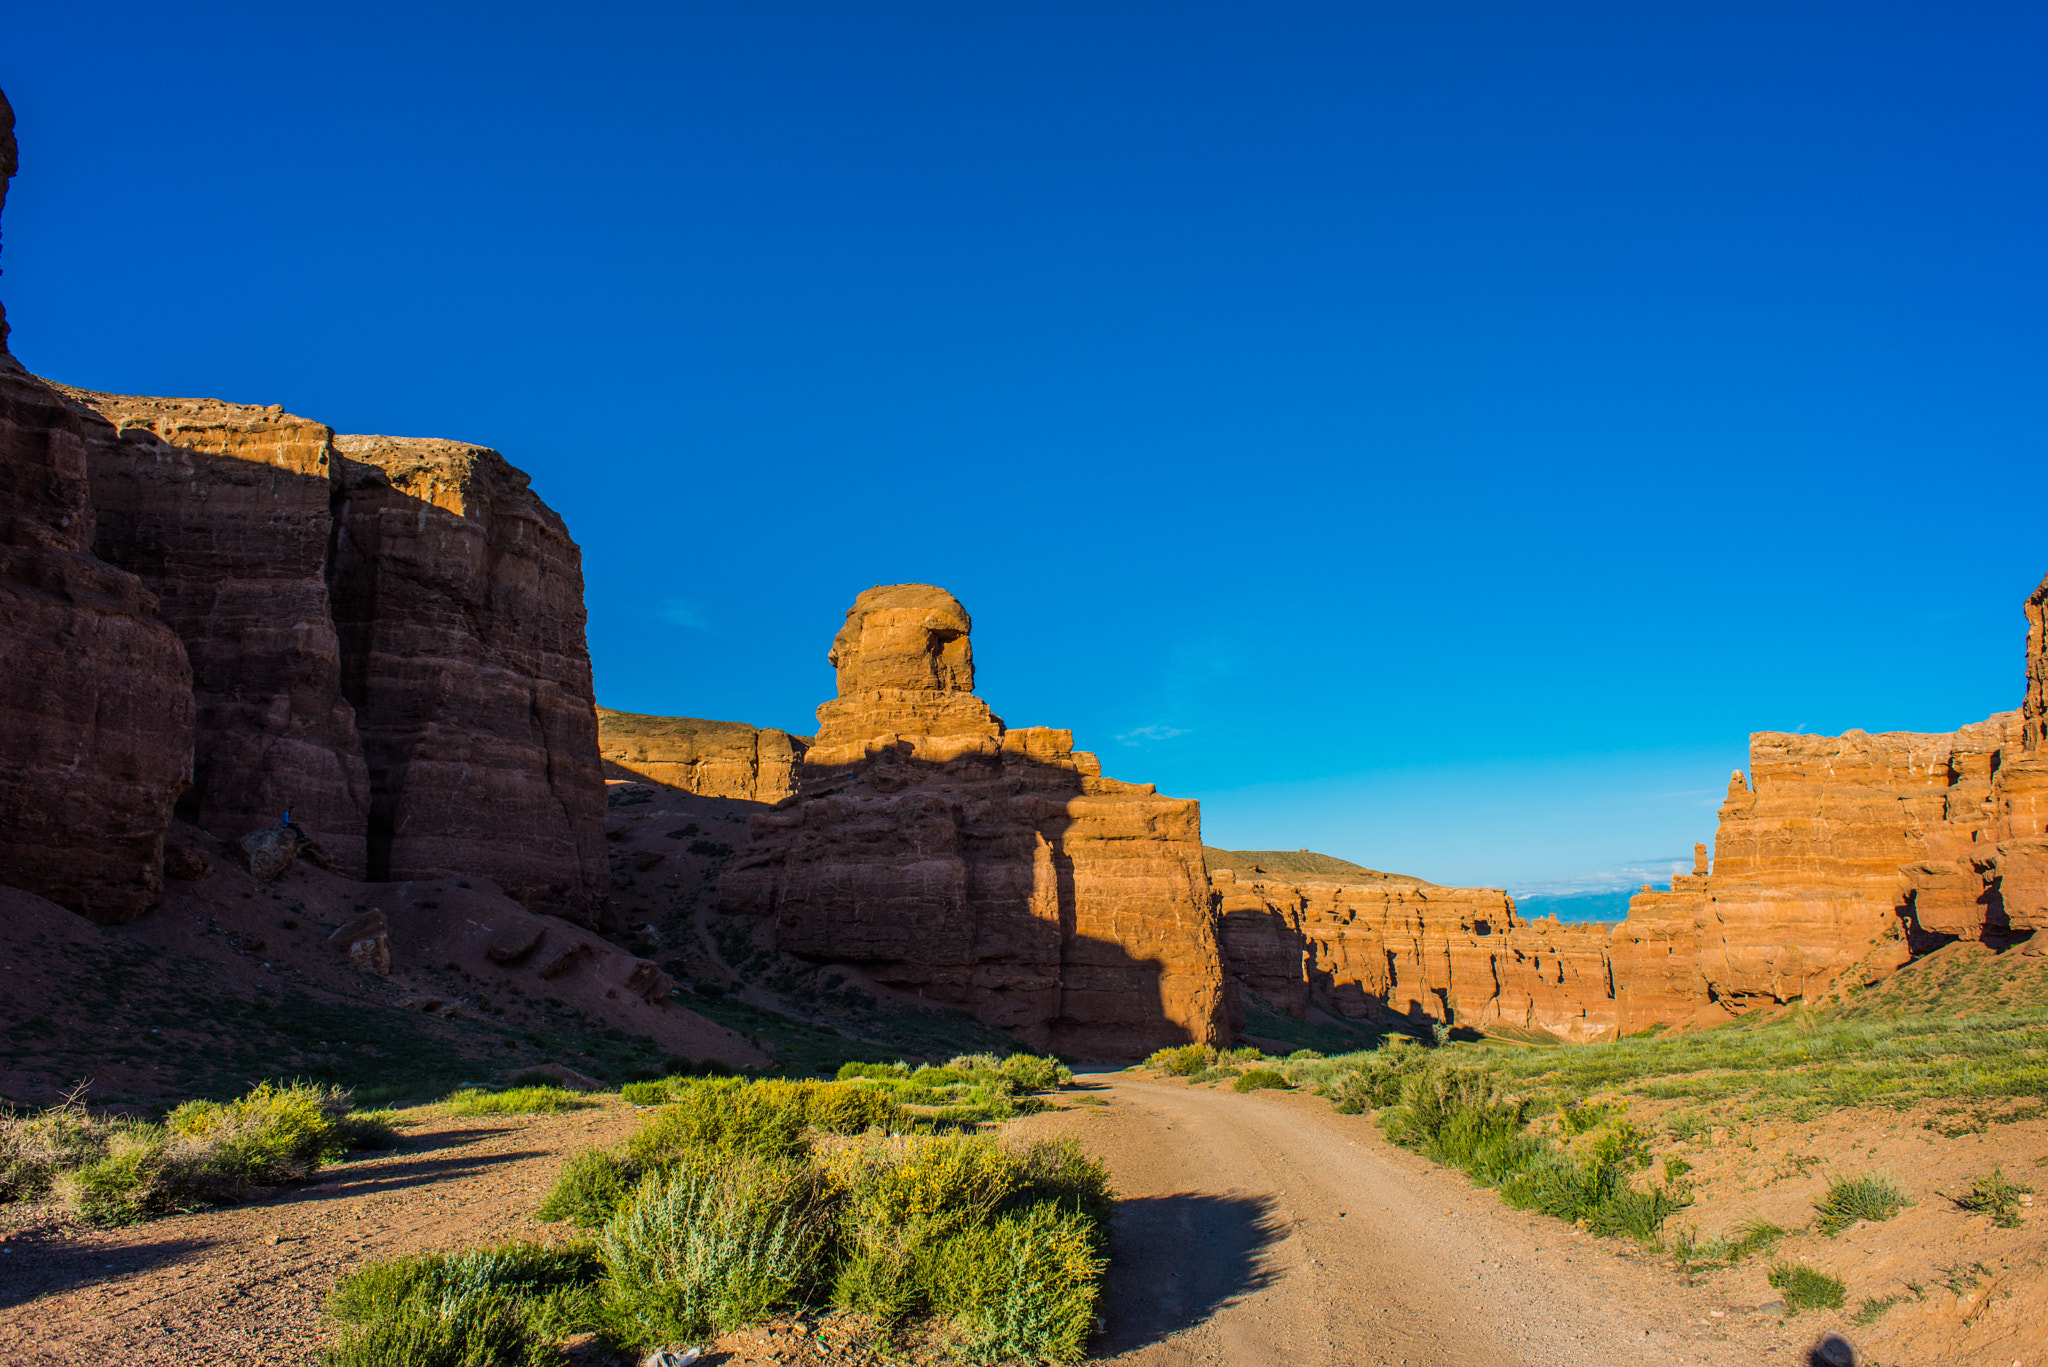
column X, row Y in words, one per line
column 982, row 866
column 95, row 691
column 708, row 758
column 458, row 599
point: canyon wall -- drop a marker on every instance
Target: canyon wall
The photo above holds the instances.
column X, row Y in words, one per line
column 978, row 865
column 708, row 758
column 231, row 609
column 96, row 692
column 1393, row 948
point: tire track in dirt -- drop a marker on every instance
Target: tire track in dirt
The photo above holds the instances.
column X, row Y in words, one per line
column 1265, row 1228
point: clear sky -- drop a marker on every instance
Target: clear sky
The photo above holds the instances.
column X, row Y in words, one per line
column 1432, row 434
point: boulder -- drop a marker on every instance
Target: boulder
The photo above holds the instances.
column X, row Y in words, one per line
column 366, row 940
column 567, row 959
column 270, row 853
column 514, row 942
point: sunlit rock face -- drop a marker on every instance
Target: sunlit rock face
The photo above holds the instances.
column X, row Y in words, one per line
column 695, row 755
column 1390, row 948
column 977, row 865
column 1841, row 857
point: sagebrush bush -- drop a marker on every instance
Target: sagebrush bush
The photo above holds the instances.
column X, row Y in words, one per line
column 1260, row 1080
column 112, row 1170
column 494, row 1307
column 709, row 1247
column 722, row 1211
column 1871, row 1197
column 1023, row 1286
column 514, row 1101
column 1185, row 1061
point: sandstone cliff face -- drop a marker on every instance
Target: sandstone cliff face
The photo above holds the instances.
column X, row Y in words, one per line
column 223, row 511
column 708, row 758
column 458, row 601
column 95, row 692
column 1396, row 947
column 229, row 602
column 977, row 865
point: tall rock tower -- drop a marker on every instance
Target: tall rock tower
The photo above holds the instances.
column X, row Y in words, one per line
column 981, row 866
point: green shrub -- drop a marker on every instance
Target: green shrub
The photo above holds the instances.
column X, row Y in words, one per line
column 1032, row 1073
column 711, row 1247
column 1260, row 1080
column 1998, row 1196
column 1303, row 1056
column 514, row 1101
column 1058, row 1172
column 1804, row 1288
column 495, row 1307
column 849, row 1071
column 113, row 1170
column 1850, row 1199
column 1021, row 1287
column 1248, row 1054
column 1185, row 1061
column 591, row 1187
column 656, row 1093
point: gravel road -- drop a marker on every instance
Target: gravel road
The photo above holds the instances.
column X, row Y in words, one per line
column 1267, row 1229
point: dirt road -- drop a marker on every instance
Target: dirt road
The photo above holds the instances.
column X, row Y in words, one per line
column 1266, row 1229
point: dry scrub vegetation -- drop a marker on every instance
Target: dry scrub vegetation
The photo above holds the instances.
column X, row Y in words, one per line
column 868, row 1199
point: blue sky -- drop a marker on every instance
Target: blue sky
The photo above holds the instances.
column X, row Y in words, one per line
column 1436, row 435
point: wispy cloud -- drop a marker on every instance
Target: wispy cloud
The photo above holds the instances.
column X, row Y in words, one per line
column 1625, row 876
column 1156, row 731
column 679, row 613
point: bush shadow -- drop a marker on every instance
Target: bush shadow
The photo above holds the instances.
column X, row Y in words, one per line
column 41, row 1268
column 1180, row 1258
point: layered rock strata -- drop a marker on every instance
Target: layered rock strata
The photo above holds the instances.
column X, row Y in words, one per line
column 979, row 865
column 228, row 602
column 708, row 758
column 95, row 692
column 1398, row 948
column 458, row 602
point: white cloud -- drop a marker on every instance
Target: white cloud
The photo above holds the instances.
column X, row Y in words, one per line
column 1156, row 731
column 676, row 612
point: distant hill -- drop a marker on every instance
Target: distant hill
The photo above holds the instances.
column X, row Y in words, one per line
column 1299, row 862
column 1611, row 905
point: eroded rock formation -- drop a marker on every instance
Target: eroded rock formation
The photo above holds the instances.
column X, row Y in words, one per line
column 708, row 758
column 95, row 691
column 1377, row 948
column 458, row 600
column 226, row 601
column 979, row 865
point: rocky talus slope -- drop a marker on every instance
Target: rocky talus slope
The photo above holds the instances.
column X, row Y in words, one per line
column 948, row 855
column 227, row 610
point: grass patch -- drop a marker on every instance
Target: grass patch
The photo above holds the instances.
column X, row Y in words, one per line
column 514, row 1101
column 727, row 1207
column 1261, row 1080
column 1805, row 1288
column 1873, row 1308
column 1871, row 1197
column 1998, row 1196
column 116, row 1170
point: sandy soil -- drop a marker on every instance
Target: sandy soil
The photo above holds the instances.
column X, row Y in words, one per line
column 1262, row 1228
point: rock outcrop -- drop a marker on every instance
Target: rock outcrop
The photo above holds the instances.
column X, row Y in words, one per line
column 1387, row 947
column 224, row 511
column 1845, row 856
column 458, row 600
column 228, row 602
column 95, row 692
column 708, row 758
column 980, row 866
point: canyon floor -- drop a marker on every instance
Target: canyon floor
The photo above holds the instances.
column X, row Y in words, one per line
column 1257, row 1228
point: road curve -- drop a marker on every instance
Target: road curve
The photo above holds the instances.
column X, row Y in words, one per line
column 1267, row 1229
